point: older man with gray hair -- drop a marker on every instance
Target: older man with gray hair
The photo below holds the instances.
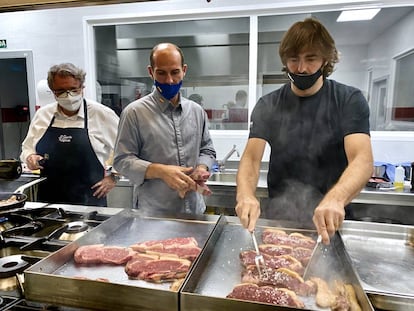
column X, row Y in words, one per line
column 71, row 142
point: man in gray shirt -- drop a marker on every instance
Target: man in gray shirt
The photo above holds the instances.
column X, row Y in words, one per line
column 163, row 144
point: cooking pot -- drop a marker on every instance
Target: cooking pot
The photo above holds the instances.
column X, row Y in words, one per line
column 12, row 200
column 10, row 169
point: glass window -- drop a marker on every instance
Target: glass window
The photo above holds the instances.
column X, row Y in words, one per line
column 403, row 108
column 215, row 50
column 366, row 60
column 269, row 67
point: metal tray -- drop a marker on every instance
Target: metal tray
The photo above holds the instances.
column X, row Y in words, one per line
column 53, row 279
column 383, row 256
column 219, row 269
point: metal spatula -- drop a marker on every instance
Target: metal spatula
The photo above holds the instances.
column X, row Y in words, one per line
column 259, row 260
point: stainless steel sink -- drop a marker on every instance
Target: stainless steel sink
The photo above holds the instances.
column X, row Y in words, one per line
column 223, row 177
column 229, row 177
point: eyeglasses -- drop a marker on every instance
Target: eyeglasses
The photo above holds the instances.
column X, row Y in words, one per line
column 64, row 93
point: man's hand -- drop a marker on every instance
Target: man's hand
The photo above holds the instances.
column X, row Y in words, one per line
column 177, row 177
column 328, row 218
column 248, row 210
column 200, row 175
column 32, row 162
column 103, row 187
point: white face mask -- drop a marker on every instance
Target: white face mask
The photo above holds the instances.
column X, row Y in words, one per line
column 70, row 103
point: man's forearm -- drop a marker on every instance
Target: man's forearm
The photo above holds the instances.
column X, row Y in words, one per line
column 351, row 182
column 247, row 178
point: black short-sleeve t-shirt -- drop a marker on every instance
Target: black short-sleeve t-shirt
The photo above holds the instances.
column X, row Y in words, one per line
column 306, row 134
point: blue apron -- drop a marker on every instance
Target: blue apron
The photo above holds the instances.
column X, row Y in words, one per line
column 71, row 166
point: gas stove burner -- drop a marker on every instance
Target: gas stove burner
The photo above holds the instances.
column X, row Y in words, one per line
column 76, row 227
column 10, row 265
column 6, row 302
column 74, row 230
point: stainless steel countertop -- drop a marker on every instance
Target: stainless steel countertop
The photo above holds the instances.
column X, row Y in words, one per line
column 110, row 211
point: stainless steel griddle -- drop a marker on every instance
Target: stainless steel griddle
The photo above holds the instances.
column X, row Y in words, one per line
column 219, row 269
column 383, row 256
column 60, row 273
column 212, row 277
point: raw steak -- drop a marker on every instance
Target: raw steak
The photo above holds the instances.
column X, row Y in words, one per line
column 266, row 294
column 275, row 250
column 302, row 254
column 159, row 270
column 88, row 254
column 100, row 254
column 189, row 253
column 295, row 239
column 185, row 248
column 281, row 277
column 158, row 245
column 274, row 262
column 116, row 255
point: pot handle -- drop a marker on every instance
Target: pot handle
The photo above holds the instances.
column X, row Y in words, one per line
column 21, row 189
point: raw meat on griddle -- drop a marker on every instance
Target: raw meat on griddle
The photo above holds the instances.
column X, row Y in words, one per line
column 281, row 277
column 164, row 244
column 275, row 250
column 116, row 255
column 185, row 248
column 88, row 254
column 100, row 254
column 158, row 270
column 275, row 262
column 280, row 237
column 189, row 253
column 266, row 294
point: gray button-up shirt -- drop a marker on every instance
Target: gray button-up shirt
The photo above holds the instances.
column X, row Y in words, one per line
column 152, row 130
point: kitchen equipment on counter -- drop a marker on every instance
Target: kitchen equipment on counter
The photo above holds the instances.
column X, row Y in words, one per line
column 61, row 273
column 12, row 200
column 31, row 233
column 17, row 199
column 412, row 176
column 10, row 169
column 383, row 257
column 379, row 171
column 218, row 270
column 379, row 183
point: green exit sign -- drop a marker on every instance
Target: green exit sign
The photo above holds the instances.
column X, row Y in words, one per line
column 3, row 43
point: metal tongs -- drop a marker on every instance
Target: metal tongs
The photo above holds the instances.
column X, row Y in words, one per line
column 314, row 256
column 258, row 259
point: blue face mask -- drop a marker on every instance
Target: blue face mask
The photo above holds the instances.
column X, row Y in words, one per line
column 168, row 90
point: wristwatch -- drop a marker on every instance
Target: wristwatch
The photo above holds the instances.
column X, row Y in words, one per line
column 115, row 177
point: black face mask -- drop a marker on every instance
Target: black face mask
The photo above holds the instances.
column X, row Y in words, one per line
column 305, row 81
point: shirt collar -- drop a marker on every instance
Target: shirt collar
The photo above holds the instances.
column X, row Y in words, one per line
column 163, row 102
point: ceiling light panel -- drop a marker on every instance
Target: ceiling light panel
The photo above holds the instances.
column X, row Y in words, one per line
column 357, row 15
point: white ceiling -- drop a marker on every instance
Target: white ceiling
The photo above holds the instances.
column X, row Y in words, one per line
column 362, row 31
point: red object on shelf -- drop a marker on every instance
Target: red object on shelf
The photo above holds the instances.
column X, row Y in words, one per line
column 403, row 113
column 16, row 114
column 238, row 115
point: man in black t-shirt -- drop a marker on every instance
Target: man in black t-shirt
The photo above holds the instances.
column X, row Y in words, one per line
column 318, row 132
